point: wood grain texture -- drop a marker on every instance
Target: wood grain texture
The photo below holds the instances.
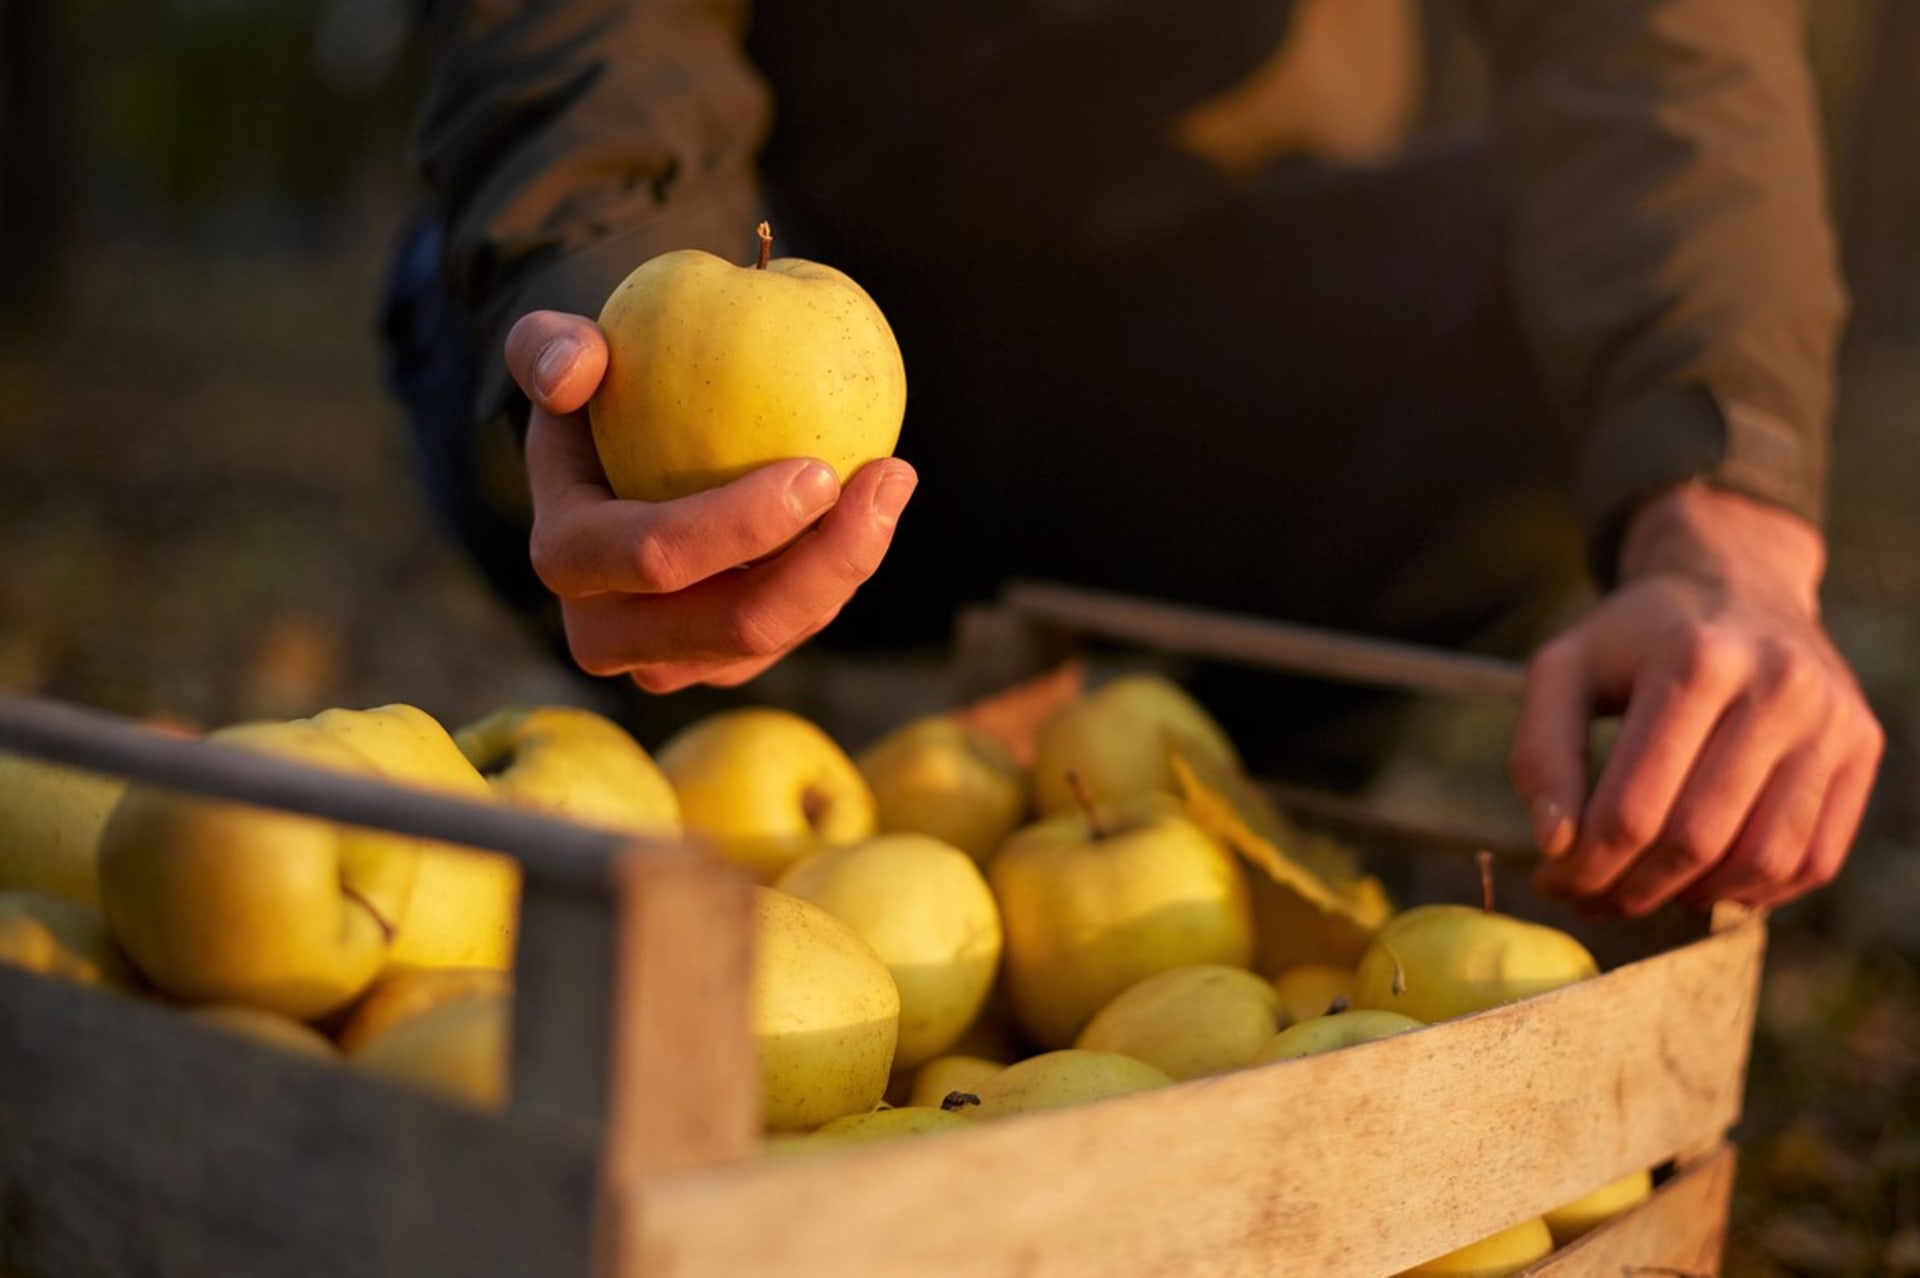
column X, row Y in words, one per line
column 685, row 1087
column 1349, row 1165
column 134, row 1141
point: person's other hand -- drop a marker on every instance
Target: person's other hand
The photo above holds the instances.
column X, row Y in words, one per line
column 1746, row 752
column 708, row 589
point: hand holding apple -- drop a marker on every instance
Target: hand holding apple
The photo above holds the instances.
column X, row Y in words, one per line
column 656, row 590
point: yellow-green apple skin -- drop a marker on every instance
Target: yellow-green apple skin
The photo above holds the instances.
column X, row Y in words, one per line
column 1595, row 1208
column 219, row 902
column 465, row 907
column 935, row 775
column 885, row 1124
column 938, row 1078
column 1118, row 738
column 1496, row 1256
column 400, row 994
column 460, row 1049
column 1307, row 990
column 570, row 762
column 1088, row 913
column 271, row 1028
column 766, row 787
column 927, row 911
column 50, row 822
column 715, row 369
column 1055, row 1080
column 826, row 1015
column 1189, row 1022
column 1330, row 1033
column 62, row 938
column 1436, row 962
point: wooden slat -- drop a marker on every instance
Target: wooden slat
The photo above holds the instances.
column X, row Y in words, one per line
column 1680, row 1232
column 1349, row 1165
column 685, row 1090
column 1262, row 643
column 134, row 1141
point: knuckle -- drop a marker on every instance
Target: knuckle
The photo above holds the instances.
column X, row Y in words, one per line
column 1629, row 823
column 593, row 658
column 1706, row 653
column 658, row 565
column 547, row 559
column 1689, row 845
column 751, row 631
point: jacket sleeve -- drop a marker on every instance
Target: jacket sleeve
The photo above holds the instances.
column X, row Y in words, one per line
column 564, row 142
column 1668, row 244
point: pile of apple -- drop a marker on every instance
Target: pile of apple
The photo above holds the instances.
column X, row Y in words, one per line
column 390, row 953
column 945, row 935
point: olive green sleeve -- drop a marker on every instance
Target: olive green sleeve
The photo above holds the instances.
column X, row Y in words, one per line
column 1668, row 243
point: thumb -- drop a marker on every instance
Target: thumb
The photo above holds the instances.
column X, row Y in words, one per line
column 556, row 359
column 1548, row 763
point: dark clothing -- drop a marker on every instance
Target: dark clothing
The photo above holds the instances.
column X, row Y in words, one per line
column 1286, row 395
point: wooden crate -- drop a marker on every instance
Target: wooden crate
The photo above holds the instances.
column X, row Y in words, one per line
column 133, row 1141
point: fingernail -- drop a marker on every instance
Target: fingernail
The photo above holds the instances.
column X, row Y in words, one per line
column 1552, row 832
column 812, row 491
column 891, row 498
column 554, row 362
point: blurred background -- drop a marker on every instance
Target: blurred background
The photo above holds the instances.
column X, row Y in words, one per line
column 208, row 509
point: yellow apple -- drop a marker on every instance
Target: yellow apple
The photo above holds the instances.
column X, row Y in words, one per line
column 826, row 1015
column 885, row 1124
column 928, row 913
column 1054, row 1080
column 1118, row 738
column 573, row 763
column 219, row 902
column 465, row 906
column 940, row 1077
column 715, row 369
column 1436, row 962
column 1192, row 1021
column 50, row 822
column 460, row 1049
column 401, row 994
column 766, row 786
column 1330, row 1033
column 62, row 938
column 1093, row 903
column 934, row 775
column 270, row 1028
column 1496, row 1256
column 1595, row 1208
column 1307, row 990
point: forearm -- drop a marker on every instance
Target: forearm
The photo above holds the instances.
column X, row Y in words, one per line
column 1669, row 247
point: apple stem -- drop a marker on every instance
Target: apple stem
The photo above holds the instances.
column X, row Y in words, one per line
column 954, row 1102
column 1084, row 797
column 765, row 231
column 1399, row 984
column 1484, row 858
column 386, row 928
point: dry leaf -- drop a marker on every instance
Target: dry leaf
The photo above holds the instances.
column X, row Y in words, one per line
column 1312, row 902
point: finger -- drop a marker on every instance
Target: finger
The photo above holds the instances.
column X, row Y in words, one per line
column 786, row 599
column 1669, row 716
column 1700, row 845
column 751, row 613
column 1772, row 847
column 1548, row 760
column 586, row 542
column 556, row 359
column 1838, row 824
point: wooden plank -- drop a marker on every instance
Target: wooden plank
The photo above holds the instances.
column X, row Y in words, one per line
column 1679, row 1232
column 1263, row 643
column 685, row 1089
column 134, row 1141
column 1349, row 1165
